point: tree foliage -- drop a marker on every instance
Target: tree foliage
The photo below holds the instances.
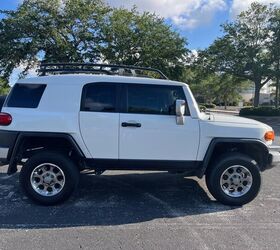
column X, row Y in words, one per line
column 4, row 87
column 245, row 49
column 214, row 87
column 50, row 31
column 275, row 50
column 143, row 39
column 86, row 31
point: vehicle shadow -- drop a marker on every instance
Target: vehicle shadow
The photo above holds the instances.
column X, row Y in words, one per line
column 113, row 199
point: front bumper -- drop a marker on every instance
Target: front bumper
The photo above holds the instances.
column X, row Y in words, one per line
column 273, row 157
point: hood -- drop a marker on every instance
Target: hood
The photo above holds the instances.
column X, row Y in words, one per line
column 238, row 120
column 229, row 126
column 234, row 119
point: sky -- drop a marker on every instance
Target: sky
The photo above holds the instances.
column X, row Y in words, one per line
column 197, row 20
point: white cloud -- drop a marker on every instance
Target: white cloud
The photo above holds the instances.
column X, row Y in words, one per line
column 183, row 13
column 241, row 5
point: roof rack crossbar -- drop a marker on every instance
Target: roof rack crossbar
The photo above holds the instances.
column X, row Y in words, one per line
column 109, row 69
column 68, row 71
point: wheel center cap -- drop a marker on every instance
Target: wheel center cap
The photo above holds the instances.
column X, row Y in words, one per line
column 236, row 179
column 48, row 179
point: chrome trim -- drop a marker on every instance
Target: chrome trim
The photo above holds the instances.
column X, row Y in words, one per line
column 47, row 179
column 236, row 181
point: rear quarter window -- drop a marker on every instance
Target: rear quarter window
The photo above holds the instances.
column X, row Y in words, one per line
column 25, row 95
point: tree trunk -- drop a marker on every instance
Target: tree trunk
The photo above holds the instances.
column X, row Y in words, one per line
column 225, row 103
column 277, row 93
column 257, row 93
column 277, row 85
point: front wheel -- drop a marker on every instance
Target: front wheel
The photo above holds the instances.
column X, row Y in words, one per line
column 49, row 178
column 234, row 179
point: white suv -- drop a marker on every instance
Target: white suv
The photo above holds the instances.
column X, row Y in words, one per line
column 58, row 125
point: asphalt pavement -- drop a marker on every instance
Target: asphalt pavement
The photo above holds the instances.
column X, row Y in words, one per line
column 140, row 210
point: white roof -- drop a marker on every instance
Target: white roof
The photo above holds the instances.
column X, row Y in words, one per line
column 88, row 78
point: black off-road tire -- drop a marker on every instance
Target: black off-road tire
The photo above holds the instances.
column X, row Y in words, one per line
column 216, row 170
column 69, row 169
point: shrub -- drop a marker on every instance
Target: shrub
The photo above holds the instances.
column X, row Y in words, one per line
column 260, row 111
column 208, row 105
column 247, row 104
column 202, row 108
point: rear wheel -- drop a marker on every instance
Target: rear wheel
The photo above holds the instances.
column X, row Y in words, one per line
column 49, row 178
column 234, row 179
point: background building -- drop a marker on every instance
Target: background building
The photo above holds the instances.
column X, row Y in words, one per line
column 266, row 94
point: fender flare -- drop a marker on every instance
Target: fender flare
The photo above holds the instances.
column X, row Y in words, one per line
column 216, row 141
column 16, row 150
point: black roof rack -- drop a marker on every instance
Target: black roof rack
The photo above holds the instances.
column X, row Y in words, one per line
column 109, row 69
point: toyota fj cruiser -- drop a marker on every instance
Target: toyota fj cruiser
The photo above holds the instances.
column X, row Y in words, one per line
column 122, row 118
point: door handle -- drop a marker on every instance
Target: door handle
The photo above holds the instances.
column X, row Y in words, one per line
column 131, row 124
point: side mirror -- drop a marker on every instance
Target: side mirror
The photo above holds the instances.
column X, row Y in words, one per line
column 180, row 111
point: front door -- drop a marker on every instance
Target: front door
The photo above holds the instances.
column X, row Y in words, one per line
column 148, row 128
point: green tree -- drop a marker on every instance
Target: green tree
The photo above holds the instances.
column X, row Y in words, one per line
column 51, row 31
column 203, row 85
column 4, row 87
column 206, row 89
column 216, row 88
column 275, row 49
column 244, row 49
column 229, row 89
column 143, row 39
column 86, row 31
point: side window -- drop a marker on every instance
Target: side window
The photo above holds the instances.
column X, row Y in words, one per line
column 153, row 99
column 99, row 97
column 25, row 96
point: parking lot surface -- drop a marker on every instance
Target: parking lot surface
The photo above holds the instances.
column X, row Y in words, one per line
column 140, row 210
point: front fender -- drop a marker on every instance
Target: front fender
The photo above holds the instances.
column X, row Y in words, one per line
column 253, row 143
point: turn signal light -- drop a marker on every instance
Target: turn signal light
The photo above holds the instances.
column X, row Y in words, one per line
column 269, row 136
column 5, row 119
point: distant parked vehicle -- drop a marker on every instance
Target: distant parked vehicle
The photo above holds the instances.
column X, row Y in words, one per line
column 121, row 118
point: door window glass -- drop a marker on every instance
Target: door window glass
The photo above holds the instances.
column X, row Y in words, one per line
column 99, row 97
column 154, row 99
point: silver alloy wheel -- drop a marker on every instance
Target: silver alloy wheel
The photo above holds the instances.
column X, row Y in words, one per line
column 236, row 181
column 47, row 179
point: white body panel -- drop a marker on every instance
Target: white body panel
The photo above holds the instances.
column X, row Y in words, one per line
column 56, row 112
column 100, row 132
column 225, row 126
column 159, row 138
